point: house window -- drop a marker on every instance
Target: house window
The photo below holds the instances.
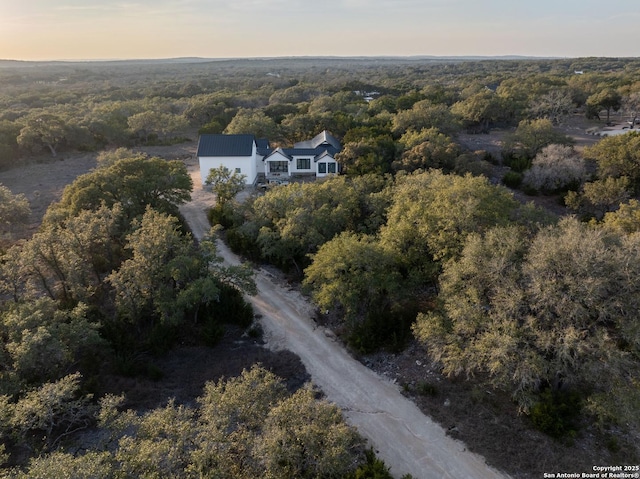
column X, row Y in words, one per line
column 332, row 167
column 238, row 170
column 322, row 167
column 278, row 166
column 304, row 164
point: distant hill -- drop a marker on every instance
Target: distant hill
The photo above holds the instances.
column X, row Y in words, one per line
column 191, row 60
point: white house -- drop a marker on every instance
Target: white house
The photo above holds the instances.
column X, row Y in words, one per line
column 239, row 153
column 254, row 158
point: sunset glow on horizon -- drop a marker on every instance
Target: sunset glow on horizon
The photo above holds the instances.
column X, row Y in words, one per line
column 91, row 29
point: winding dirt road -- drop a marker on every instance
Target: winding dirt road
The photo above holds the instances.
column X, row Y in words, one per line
column 406, row 439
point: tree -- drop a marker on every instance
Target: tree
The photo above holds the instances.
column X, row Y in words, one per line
column 479, row 111
column 43, row 343
column 14, row 210
column 479, row 293
column 67, row 260
column 135, row 183
column 51, row 412
column 208, row 108
column 432, row 213
column 599, row 197
column 43, row 130
column 554, row 106
column 555, row 168
column 9, row 131
column 354, row 272
column 295, row 221
column 90, row 465
column 107, row 121
column 368, row 155
column 241, row 428
column 424, row 115
column 607, row 99
column 225, row 184
column 557, row 313
column 427, row 149
column 148, row 124
column 304, row 437
column 110, row 157
column 625, row 219
column 618, row 156
column 146, row 284
column 253, row 122
column 531, row 137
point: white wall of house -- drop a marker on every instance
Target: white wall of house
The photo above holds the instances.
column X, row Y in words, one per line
column 326, row 166
column 299, row 163
column 260, row 164
column 246, row 165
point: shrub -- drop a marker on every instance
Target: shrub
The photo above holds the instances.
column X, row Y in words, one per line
column 512, row 179
column 517, row 163
column 373, row 468
column 219, row 215
column 427, row 389
column 556, row 168
column 556, row 412
column 382, row 328
column 232, row 308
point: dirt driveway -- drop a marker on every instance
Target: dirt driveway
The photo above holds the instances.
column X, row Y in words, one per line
column 406, row 439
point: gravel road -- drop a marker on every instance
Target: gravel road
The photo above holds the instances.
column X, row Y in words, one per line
column 406, row 439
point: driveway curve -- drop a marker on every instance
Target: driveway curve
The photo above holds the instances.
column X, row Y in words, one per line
column 408, row 441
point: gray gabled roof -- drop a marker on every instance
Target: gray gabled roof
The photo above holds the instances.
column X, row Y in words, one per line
column 322, row 139
column 225, row 145
column 264, row 148
column 324, row 154
column 280, row 151
column 300, row 151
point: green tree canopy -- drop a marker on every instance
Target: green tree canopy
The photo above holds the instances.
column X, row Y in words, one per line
column 253, row 122
column 225, row 184
column 557, row 311
column 424, row 115
column 241, row 428
column 427, row 149
column 531, row 137
column 161, row 259
column 354, row 272
column 607, row 99
column 14, row 210
column 367, row 155
column 432, row 214
column 599, row 197
column 41, row 131
column 135, row 183
column 479, row 111
column 618, row 156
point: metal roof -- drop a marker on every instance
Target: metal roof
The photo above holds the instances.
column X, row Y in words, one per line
column 264, row 148
column 279, row 151
column 324, row 154
column 242, row 145
column 300, row 151
column 324, row 138
column 225, row 145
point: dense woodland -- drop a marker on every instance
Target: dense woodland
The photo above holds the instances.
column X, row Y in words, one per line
column 420, row 238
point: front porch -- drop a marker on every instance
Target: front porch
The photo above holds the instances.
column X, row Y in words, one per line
column 277, row 170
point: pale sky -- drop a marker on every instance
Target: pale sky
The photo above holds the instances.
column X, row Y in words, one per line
column 128, row 29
